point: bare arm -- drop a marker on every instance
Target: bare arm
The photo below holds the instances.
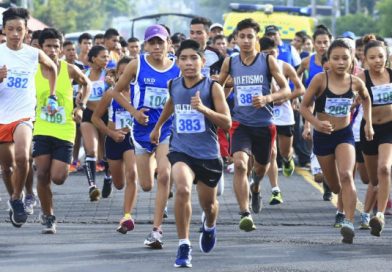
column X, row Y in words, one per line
column 224, row 76
column 299, row 88
column 77, row 75
column 51, row 68
column 367, row 106
column 303, row 66
column 100, row 111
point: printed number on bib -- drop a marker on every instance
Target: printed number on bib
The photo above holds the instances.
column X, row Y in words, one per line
column 123, row 119
column 18, row 79
column 190, row 122
column 155, row 98
column 57, row 118
column 97, row 90
column 382, row 94
column 338, row 107
column 245, row 94
column 277, row 112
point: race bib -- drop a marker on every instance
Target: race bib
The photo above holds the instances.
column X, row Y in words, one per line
column 382, row 94
column 277, row 112
column 97, row 90
column 18, row 79
column 57, row 118
column 205, row 71
column 245, row 94
column 123, row 119
column 338, row 107
column 155, row 98
column 190, row 122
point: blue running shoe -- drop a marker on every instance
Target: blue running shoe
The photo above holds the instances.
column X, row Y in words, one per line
column 17, row 213
column 207, row 240
column 184, row 256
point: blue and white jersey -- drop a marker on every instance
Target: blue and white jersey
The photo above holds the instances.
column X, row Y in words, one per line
column 99, row 87
column 150, row 91
column 120, row 116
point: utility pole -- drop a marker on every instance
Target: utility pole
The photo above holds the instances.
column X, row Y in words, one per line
column 346, row 7
column 313, row 6
column 335, row 14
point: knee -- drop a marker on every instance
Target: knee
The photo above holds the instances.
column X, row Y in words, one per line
column 59, row 178
column 163, row 176
column 335, row 188
column 146, row 187
column 183, row 192
column 260, row 170
column 240, row 166
column 384, row 170
column 119, row 185
column 345, row 176
column 21, row 160
column 43, row 177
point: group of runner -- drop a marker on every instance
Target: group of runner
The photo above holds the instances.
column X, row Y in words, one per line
column 163, row 114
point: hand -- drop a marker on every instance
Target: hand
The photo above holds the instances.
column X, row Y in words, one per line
column 324, row 127
column 259, row 101
column 117, row 135
column 196, row 102
column 77, row 115
column 52, row 105
column 142, row 118
column 3, row 73
column 307, row 134
column 155, row 135
column 369, row 132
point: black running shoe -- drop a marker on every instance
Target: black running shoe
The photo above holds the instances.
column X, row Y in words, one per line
column 17, row 213
column 107, row 187
column 49, row 221
column 327, row 196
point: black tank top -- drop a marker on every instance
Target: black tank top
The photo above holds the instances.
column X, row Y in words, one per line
column 381, row 94
column 333, row 104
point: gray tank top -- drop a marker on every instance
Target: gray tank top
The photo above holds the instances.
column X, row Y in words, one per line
column 193, row 134
column 251, row 80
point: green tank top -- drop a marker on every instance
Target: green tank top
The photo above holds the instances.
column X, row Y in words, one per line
column 60, row 125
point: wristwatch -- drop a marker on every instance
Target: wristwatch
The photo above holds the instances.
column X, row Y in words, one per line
column 53, row 97
column 82, row 106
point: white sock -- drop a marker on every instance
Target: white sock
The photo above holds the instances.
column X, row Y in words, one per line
column 380, row 214
column 275, row 189
column 208, row 228
column 339, row 212
column 184, row 242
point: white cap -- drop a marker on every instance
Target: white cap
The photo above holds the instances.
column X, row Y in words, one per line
column 214, row 25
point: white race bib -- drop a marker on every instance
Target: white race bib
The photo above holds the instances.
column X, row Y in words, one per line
column 382, row 94
column 155, row 98
column 277, row 112
column 338, row 107
column 123, row 119
column 245, row 94
column 97, row 90
column 205, row 71
column 18, row 79
column 190, row 122
column 57, row 118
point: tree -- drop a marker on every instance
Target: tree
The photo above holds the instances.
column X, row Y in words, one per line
column 384, row 8
column 359, row 23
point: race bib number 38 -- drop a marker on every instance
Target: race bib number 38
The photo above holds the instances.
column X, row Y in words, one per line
column 382, row 94
column 190, row 122
column 155, row 98
column 245, row 94
column 338, row 107
column 57, row 118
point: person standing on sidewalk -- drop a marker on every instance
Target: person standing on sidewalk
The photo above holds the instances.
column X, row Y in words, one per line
column 54, row 134
column 199, row 106
column 253, row 130
column 18, row 66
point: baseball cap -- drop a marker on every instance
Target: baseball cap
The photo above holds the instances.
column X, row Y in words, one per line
column 155, row 31
column 271, row 29
column 349, row 35
column 215, row 25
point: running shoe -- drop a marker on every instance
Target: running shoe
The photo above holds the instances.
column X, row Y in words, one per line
column 339, row 220
column 184, row 256
column 126, row 224
column 376, row 225
column 165, row 213
column 154, row 240
column 99, row 167
column 246, row 222
column 255, row 200
column 17, row 213
column 388, row 210
column 207, row 239
column 365, row 219
column 30, row 201
column 73, row 167
column 49, row 221
column 327, row 196
column 288, row 167
column 276, row 198
column 94, row 193
column 347, row 232
column 107, row 187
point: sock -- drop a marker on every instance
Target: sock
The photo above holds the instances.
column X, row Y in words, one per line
column 106, row 170
column 91, row 163
column 380, row 215
column 337, row 212
column 127, row 215
column 208, row 228
column 275, row 189
column 184, row 242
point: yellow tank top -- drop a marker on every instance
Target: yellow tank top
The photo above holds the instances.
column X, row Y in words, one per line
column 60, row 125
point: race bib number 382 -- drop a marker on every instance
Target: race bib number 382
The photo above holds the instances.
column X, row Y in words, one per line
column 18, row 79
column 245, row 94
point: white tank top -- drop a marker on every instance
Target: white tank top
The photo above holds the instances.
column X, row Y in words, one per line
column 17, row 91
column 357, row 124
column 283, row 114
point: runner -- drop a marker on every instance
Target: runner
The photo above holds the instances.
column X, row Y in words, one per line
column 378, row 153
column 253, row 132
column 18, row 66
column 149, row 75
column 111, row 39
column 119, row 147
column 333, row 140
column 194, row 150
column 98, row 40
column 34, row 39
column 85, row 43
column 134, row 47
column 98, row 58
column 54, row 134
column 284, row 122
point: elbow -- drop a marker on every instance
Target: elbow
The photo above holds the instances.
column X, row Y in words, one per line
column 227, row 124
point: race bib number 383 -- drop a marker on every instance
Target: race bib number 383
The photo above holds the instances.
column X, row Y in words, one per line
column 338, row 107
column 245, row 94
column 382, row 94
column 190, row 122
